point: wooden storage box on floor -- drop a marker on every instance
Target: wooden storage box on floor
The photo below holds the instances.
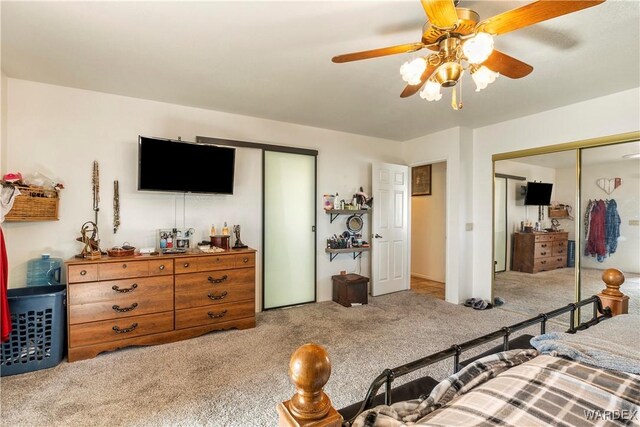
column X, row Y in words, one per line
column 34, row 204
column 350, row 289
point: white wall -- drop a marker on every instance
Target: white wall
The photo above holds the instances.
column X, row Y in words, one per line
column 627, row 197
column 564, row 192
column 608, row 115
column 428, row 226
column 59, row 131
column 3, row 123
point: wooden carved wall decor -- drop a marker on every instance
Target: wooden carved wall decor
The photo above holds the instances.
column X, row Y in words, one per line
column 116, row 206
column 95, row 180
column 608, row 185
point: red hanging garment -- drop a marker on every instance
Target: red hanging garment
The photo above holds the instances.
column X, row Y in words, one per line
column 5, row 315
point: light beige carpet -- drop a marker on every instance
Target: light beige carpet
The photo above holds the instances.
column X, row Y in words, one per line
column 235, row 378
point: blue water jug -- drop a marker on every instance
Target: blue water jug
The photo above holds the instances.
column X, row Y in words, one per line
column 44, row 271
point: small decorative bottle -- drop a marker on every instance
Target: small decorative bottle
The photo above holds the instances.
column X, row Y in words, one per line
column 225, row 229
column 213, row 230
column 336, row 202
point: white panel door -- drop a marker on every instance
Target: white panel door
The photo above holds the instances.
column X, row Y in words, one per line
column 389, row 240
column 289, row 229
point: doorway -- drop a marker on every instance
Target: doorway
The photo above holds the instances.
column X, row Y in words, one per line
column 428, row 235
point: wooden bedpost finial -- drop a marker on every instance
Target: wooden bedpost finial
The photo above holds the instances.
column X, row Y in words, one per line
column 611, row 296
column 613, row 279
column 309, row 371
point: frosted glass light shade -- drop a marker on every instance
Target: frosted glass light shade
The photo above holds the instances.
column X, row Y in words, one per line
column 483, row 76
column 431, row 91
column 477, row 49
column 412, row 71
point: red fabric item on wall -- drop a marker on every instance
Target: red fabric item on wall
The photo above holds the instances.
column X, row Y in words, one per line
column 5, row 315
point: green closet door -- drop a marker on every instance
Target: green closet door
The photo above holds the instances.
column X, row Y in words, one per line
column 289, row 229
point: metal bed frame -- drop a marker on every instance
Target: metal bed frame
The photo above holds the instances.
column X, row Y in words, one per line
column 388, row 375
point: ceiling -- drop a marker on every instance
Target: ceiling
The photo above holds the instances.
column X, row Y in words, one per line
column 273, row 59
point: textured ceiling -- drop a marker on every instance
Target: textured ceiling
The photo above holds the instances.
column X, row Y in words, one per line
column 273, row 59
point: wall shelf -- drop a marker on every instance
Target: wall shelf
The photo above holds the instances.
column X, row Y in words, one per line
column 335, row 213
column 355, row 251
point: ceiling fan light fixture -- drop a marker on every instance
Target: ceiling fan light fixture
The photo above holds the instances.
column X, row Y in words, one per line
column 478, row 48
column 448, row 74
column 482, row 76
column 412, row 71
column 431, row 91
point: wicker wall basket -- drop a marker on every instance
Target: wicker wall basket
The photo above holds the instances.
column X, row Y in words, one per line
column 34, row 204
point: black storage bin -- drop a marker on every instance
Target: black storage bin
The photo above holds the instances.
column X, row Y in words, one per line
column 37, row 341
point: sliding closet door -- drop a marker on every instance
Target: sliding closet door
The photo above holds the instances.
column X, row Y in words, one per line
column 609, row 207
column 289, row 229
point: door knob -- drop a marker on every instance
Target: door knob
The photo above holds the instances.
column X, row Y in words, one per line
column 377, row 236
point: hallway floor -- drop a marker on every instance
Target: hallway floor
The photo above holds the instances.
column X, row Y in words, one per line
column 428, row 287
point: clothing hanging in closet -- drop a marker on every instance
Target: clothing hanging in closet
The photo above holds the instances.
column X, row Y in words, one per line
column 602, row 228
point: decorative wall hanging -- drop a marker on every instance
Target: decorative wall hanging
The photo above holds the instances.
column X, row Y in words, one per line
column 116, row 206
column 608, row 185
column 95, row 179
column 421, row 180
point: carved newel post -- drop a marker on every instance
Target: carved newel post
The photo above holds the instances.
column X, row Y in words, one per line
column 309, row 371
column 611, row 296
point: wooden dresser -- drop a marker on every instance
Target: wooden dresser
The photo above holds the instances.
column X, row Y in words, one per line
column 535, row 252
column 145, row 300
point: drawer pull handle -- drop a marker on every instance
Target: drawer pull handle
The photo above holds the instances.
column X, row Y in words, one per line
column 124, row 265
column 83, row 273
column 558, row 259
column 220, row 280
column 544, row 246
column 125, row 309
column 560, row 252
column 186, row 265
column 245, row 260
column 543, row 262
column 217, row 315
column 215, row 297
column 543, row 253
column 161, row 267
column 125, row 330
column 124, row 290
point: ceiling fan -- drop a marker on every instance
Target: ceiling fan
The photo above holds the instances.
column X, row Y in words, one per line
column 459, row 41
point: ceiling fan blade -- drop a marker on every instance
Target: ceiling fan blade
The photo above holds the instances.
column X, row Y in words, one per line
column 532, row 13
column 507, row 66
column 441, row 13
column 375, row 53
column 413, row 89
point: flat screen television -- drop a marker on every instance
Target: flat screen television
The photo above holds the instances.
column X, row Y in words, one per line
column 538, row 194
column 184, row 167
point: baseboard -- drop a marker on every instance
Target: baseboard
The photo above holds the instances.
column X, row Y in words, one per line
column 424, row 276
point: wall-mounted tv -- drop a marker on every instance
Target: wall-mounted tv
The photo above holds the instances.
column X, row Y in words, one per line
column 538, row 194
column 184, row 167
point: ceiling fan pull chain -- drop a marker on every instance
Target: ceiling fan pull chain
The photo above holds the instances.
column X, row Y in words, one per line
column 454, row 103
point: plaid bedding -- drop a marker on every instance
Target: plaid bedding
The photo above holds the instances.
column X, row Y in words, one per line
column 516, row 388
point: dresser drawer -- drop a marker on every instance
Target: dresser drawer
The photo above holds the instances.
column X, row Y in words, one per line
column 160, row 267
column 544, row 264
column 82, row 273
column 120, row 270
column 90, row 302
column 542, row 250
column 543, row 237
column 560, row 261
column 216, row 262
column 209, row 315
column 224, row 286
column 113, row 330
column 560, row 247
column 245, row 260
column 186, row 265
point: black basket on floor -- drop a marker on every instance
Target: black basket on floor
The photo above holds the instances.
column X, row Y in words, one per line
column 37, row 341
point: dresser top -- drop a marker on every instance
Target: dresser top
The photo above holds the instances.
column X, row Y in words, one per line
column 147, row 257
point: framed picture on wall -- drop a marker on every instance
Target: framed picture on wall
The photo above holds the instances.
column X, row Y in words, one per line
column 421, row 180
